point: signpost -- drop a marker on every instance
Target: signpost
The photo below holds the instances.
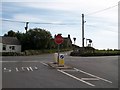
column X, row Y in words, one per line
column 58, row 40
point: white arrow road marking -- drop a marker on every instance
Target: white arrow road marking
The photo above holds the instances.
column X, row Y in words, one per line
column 75, row 77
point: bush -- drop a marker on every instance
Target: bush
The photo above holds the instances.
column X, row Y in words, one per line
column 11, row 54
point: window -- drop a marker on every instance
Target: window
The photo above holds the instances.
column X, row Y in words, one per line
column 10, row 47
column 13, row 47
column 4, row 47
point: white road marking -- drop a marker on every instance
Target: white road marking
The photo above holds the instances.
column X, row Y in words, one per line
column 20, row 69
column 16, row 69
column 7, row 70
column 36, row 68
column 31, row 68
column 44, row 63
column 75, row 77
column 70, row 70
column 89, row 78
column 75, row 69
column 23, row 68
column 93, row 75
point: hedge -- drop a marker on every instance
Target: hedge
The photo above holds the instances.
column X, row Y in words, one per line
column 98, row 53
column 32, row 52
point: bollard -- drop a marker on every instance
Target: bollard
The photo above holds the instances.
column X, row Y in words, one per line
column 55, row 58
column 61, row 60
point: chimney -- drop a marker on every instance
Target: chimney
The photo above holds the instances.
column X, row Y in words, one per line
column 54, row 35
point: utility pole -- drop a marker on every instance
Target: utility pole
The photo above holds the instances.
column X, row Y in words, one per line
column 26, row 27
column 83, row 30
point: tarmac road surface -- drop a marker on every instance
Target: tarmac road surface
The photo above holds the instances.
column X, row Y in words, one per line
column 33, row 72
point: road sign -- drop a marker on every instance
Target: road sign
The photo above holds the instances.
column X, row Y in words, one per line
column 61, row 56
column 61, row 60
column 58, row 39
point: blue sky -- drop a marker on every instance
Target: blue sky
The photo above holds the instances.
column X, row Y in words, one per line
column 101, row 27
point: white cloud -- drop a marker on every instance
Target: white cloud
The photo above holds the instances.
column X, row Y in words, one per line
column 28, row 17
column 6, row 26
column 86, row 6
column 103, row 37
column 34, row 18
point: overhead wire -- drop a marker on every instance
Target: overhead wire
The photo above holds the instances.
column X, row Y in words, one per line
column 13, row 21
column 8, row 20
column 101, row 10
column 93, row 26
column 62, row 23
column 39, row 22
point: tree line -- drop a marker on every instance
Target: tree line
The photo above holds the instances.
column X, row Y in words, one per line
column 35, row 39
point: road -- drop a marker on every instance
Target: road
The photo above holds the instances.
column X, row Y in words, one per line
column 33, row 72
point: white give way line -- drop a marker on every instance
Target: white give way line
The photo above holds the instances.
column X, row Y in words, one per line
column 75, row 77
column 84, row 80
column 92, row 75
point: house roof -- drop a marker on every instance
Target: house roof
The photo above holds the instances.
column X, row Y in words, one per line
column 9, row 40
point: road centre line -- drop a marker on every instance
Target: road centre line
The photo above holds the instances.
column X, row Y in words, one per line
column 75, row 77
column 93, row 75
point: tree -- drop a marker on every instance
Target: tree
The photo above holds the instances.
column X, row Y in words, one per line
column 10, row 33
column 36, row 39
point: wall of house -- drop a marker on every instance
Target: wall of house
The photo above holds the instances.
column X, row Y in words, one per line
column 9, row 48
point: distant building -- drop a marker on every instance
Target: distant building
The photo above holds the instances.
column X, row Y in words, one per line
column 67, row 43
column 9, row 44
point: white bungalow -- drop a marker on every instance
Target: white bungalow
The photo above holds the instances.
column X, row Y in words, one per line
column 9, row 44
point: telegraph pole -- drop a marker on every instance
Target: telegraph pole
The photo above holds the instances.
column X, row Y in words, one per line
column 83, row 30
column 26, row 27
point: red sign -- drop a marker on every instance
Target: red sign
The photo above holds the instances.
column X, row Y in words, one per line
column 58, row 39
